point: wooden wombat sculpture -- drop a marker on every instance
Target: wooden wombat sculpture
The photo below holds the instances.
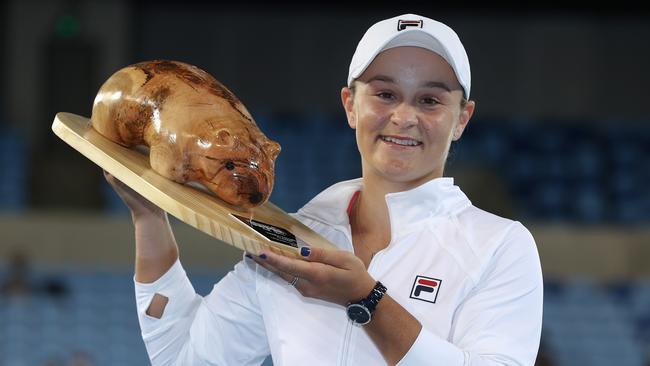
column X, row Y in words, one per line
column 196, row 129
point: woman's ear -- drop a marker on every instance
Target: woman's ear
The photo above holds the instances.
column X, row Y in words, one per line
column 463, row 119
column 347, row 98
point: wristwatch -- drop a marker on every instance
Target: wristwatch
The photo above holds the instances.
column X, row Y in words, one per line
column 360, row 312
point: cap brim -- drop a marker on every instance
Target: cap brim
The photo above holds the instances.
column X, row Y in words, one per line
column 409, row 37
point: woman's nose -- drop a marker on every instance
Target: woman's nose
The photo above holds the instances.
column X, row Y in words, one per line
column 404, row 115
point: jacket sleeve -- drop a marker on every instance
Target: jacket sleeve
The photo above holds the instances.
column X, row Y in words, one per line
column 500, row 321
column 224, row 328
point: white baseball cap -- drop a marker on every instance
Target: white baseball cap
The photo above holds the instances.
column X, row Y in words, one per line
column 412, row 30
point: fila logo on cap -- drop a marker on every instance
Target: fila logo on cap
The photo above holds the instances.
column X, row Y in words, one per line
column 402, row 24
column 425, row 289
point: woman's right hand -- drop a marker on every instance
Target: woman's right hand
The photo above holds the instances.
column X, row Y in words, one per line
column 139, row 206
column 155, row 246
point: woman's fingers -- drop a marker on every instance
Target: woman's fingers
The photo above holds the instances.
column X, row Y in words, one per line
column 290, row 266
column 264, row 263
column 134, row 201
column 322, row 280
column 333, row 257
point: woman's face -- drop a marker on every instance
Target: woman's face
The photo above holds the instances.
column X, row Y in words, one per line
column 406, row 109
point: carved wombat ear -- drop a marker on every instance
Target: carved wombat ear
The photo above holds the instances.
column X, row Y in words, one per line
column 223, row 138
column 272, row 149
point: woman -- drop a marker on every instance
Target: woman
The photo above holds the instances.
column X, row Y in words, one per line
column 422, row 277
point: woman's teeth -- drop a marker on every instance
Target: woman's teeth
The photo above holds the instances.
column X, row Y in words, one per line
column 403, row 142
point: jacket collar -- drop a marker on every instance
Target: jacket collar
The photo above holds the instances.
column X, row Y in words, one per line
column 436, row 198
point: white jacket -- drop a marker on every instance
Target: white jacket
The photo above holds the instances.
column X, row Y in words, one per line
column 471, row 278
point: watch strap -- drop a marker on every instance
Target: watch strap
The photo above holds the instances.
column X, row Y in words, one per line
column 371, row 301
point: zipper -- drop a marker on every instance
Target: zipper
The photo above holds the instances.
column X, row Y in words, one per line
column 349, row 328
column 345, row 348
column 345, row 352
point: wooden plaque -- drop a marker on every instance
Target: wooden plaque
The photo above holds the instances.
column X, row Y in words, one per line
column 266, row 226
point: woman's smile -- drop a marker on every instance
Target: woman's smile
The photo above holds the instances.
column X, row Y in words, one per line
column 398, row 141
column 405, row 109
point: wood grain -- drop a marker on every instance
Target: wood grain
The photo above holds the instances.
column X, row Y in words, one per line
column 193, row 206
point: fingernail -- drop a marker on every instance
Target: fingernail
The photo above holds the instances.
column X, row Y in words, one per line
column 263, row 256
column 305, row 251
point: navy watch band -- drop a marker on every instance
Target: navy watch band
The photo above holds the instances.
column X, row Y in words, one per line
column 375, row 295
column 361, row 311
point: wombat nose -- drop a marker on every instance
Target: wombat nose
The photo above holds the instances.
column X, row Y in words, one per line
column 256, row 197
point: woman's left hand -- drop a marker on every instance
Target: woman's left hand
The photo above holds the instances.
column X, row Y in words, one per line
column 328, row 274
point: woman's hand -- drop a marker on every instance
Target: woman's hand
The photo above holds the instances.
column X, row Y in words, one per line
column 340, row 277
column 138, row 205
column 155, row 245
column 332, row 275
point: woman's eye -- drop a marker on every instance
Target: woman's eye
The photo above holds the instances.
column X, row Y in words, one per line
column 429, row 101
column 385, row 95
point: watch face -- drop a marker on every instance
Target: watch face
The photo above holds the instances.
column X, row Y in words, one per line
column 358, row 314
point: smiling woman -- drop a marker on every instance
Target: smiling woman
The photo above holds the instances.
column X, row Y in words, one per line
column 420, row 277
column 406, row 110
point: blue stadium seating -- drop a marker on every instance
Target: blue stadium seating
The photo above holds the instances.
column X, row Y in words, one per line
column 555, row 171
column 585, row 323
column 588, row 324
column 13, row 168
